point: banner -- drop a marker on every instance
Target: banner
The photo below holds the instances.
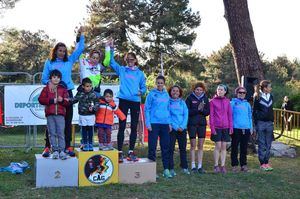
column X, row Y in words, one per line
column 21, row 105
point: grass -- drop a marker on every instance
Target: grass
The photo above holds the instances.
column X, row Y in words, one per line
column 283, row 182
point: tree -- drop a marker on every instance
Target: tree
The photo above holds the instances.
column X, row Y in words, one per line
column 23, row 51
column 7, row 4
column 245, row 53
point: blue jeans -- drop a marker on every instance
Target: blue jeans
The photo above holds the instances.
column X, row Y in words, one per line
column 161, row 130
column 265, row 138
column 181, row 137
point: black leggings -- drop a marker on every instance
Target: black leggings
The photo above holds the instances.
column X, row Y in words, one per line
column 134, row 107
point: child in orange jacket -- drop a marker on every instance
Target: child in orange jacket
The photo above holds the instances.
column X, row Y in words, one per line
column 105, row 119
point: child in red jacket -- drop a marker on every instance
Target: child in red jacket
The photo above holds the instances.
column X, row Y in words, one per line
column 105, row 119
column 55, row 101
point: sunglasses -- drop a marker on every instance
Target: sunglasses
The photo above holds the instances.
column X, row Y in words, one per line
column 241, row 92
column 131, row 59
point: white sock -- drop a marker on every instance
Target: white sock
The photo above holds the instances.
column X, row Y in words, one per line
column 193, row 165
column 199, row 165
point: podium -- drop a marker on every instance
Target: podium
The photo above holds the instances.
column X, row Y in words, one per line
column 97, row 167
column 55, row 172
column 142, row 171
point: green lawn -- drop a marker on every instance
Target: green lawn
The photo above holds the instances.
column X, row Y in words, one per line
column 283, row 182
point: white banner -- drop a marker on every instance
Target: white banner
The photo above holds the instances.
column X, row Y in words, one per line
column 21, row 106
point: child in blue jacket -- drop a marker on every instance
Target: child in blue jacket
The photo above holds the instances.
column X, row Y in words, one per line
column 132, row 87
column 157, row 114
column 179, row 118
column 242, row 128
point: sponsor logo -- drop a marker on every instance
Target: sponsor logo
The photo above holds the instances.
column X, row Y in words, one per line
column 98, row 169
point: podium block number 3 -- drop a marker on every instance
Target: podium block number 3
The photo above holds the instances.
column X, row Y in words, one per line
column 57, row 175
column 137, row 174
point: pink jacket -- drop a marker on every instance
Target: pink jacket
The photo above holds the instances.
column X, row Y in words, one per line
column 220, row 114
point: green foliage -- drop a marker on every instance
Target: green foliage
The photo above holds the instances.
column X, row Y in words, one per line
column 23, row 50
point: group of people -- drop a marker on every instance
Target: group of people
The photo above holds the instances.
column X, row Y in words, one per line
column 167, row 115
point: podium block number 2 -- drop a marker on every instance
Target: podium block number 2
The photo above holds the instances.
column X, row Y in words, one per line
column 57, row 175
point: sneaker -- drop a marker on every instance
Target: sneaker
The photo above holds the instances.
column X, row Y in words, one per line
column 132, row 157
column 110, row 148
column 55, row 155
column 194, row 170
column 217, row 169
column 263, row 167
column 235, row 169
column 201, row 170
column 46, row 152
column 101, row 146
column 85, row 147
column 172, row 173
column 186, row 171
column 244, row 168
column 70, row 152
column 167, row 174
column 62, row 155
column 268, row 167
column 121, row 157
column 91, row 147
column 223, row 170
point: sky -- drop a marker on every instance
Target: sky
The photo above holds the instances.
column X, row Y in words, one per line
column 275, row 23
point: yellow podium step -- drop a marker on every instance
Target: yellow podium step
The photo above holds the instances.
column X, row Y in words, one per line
column 97, row 167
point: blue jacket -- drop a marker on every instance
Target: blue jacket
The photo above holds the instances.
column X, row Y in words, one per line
column 179, row 114
column 157, row 108
column 64, row 67
column 131, row 81
column 241, row 114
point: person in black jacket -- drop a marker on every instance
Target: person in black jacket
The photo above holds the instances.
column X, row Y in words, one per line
column 264, row 123
column 198, row 105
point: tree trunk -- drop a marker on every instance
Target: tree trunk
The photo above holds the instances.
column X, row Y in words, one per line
column 244, row 50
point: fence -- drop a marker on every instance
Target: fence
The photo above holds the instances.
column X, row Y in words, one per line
column 28, row 136
column 287, row 124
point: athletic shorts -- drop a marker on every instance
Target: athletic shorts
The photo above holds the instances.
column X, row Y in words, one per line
column 197, row 131
column 222, row 135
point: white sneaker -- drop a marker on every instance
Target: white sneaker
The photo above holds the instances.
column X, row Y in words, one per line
column 55, row 155
column 62, row 155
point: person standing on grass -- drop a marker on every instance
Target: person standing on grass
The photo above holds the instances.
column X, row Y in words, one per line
column 242, row 128
column 132, row 87
column 87, row 107
column 158, row 123
column 55, row 102
column 220, row 121
column 60, row 60
column 179, row 118
column 198, row 106
column 264, row 122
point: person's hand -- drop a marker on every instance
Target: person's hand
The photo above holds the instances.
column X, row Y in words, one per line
column 55, row 100
column 201, row 106
column 230, row 131
column 66, row 99
column 51, row 87
column 81, row 30
column 60, row 99
column 110, row 43
column 149, row 128
column 213, row 133
column 91, row 109
column 180, row 129
column 139, row 93
column 170, row 128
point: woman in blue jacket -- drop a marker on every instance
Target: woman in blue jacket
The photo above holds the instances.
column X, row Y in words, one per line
column 132, row 87
column 60, row 60
column 242, row 128
column 157, row 114
column 179, row 118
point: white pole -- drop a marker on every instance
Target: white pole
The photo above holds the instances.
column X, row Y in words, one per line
column 161, row 64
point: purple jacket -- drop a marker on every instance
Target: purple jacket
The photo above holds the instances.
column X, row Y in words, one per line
column 220, row 114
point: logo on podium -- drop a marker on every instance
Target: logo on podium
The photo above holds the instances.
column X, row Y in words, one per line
column 98, row 169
